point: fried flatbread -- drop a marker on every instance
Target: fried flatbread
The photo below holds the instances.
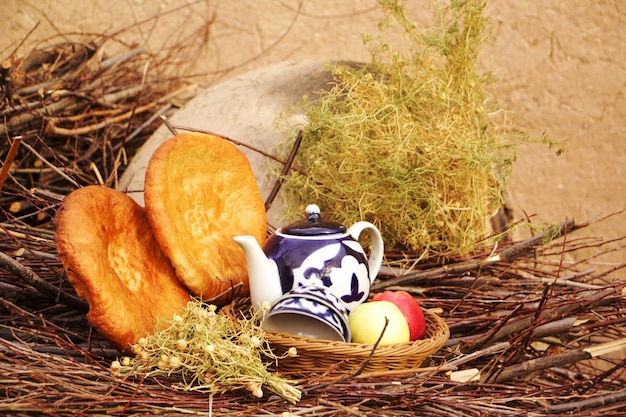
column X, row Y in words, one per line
column 200, row 192
column 113, row 261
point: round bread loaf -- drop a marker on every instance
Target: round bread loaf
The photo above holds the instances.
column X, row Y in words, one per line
column 200, row 192
column 113, row 261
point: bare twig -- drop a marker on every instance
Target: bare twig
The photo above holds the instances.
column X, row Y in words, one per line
column 9, row 159
column 169, row 125
column 546, row 315
column 506, row 255
column 284, row 171
column 232, row 140
column 528, row 367
column 55, row 168
column 347, row 410
column 54, row 129
column 31, row 278
column 587, row 403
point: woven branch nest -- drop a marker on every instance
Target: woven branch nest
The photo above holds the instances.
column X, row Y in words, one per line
column 335, row 357
column 500, row 308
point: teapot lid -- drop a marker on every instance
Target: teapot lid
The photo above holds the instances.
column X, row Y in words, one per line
column 313, row 225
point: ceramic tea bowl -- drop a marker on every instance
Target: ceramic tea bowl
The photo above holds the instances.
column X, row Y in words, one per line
column 309, row 312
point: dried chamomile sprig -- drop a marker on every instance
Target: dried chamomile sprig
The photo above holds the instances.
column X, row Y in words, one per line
column 210, row 352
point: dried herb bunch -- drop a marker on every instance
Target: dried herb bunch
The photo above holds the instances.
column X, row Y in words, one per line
column 210, row 352
column 406, row 141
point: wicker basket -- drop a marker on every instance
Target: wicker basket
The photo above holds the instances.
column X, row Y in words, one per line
column 339, row 357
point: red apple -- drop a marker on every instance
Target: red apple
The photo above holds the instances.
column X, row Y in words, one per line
column 409, row 307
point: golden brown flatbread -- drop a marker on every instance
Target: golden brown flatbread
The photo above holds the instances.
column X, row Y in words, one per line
column 112, row 259
column 200, row 192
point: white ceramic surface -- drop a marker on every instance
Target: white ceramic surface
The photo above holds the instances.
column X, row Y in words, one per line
column 309, row 312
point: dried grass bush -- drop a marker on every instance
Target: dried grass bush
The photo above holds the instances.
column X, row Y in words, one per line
column 407, row 140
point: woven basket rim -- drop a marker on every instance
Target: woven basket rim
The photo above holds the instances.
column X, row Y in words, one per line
column 436, row 329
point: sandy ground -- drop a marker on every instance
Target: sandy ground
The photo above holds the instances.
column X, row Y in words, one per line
column 560, row 69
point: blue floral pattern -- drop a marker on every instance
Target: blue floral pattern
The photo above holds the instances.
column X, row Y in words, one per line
column 340, row 267
column 317, row 302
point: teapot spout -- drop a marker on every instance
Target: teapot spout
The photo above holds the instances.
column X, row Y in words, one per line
column 262, row 273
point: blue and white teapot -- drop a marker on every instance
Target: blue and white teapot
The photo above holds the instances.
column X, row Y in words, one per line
column 313, row 252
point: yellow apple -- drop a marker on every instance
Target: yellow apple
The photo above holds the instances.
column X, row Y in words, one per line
column 367, row 321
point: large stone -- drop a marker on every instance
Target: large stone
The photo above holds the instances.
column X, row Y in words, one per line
column 244, row 109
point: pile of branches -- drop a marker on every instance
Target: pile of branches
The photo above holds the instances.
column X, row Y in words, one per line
column 529, row 336
column 531, row 332
column 71, row 114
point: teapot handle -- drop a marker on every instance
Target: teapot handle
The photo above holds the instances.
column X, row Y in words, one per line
column 378, row 247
